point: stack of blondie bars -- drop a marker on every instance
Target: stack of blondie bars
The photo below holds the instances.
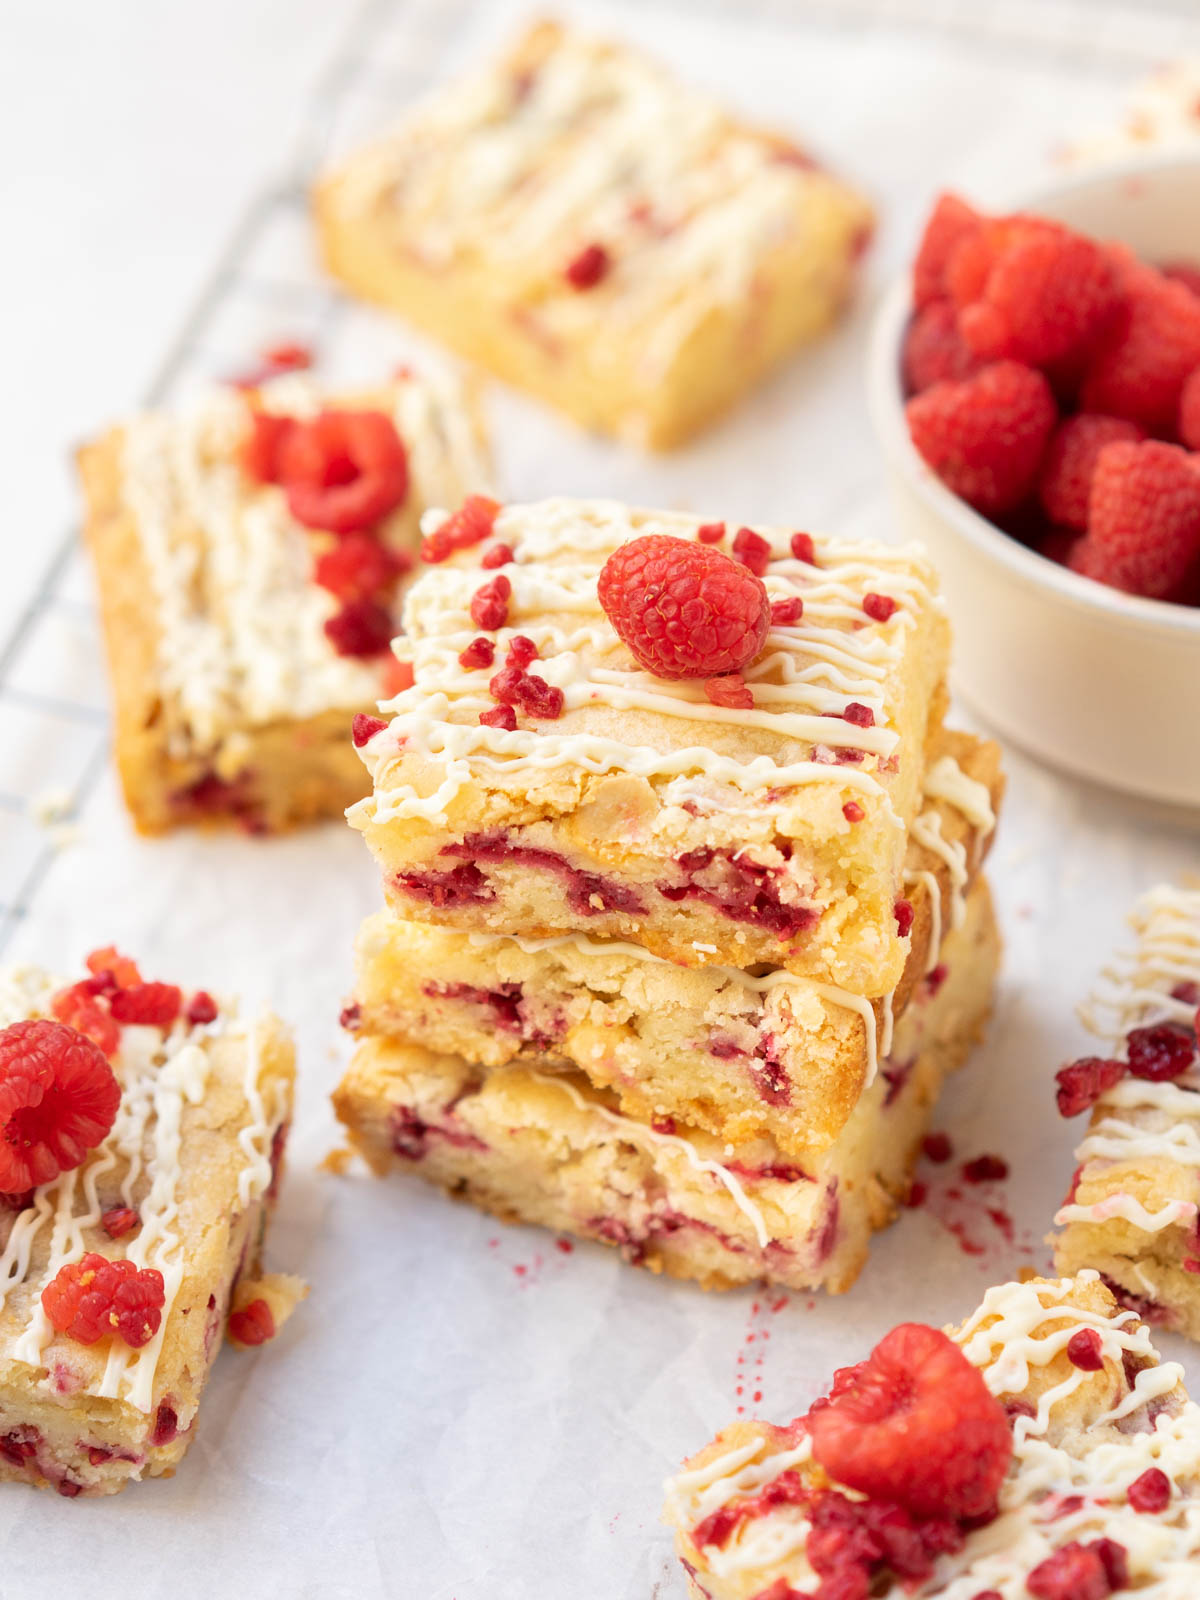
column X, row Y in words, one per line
column 676, row 965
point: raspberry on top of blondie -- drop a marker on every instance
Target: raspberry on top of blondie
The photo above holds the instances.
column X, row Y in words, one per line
column 537, row 778
column 1041, row 1449
column 1134, row 1203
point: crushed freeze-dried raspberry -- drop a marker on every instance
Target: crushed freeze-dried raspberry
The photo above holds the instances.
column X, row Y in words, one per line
column 915, row 1424
column 1070, row 461
column 860, row 715
column 489, row 603
column 1083, row 1350
column 951, row 222
column 253, row 1324
column 985, row 1169
column 479, row 653
column 730, row 691
column 58, row 1100
column 121, row 969
column 496, row 555
column 94, row 1297
column 937, row 1147
column 364, row 728
column 119, row 1221
column 152, row 1005
column 879, row 607
column 262, row 447
column 710, row 532
column 985, row 436
column 585, row 270
column 521, row 651
column 1143, row 519
column 787, row 613
column 1082, row 1083
column 78, row 1008
column 1078, row 1572
column 502, row 716
column 201, row 1009
column 904, row 917
column 803, row 548
column 537, row 698
column 752, row 550
column 360, row 628
column 343, row 471
column 359, row 566
column 852, row 811
column 1139, row 371
column 685, row 610
column 1151, row 1492
column 1160, row 1052
column 934, row 350
column 470, row 525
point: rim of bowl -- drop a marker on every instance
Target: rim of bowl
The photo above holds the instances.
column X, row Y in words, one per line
column 886, row 404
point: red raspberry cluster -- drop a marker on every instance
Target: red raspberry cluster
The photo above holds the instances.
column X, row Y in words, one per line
column 342, row 472
column 1158, row 1053
column 1054, row 384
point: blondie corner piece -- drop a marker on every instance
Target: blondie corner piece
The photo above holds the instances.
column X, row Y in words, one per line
column 247, row 619
column 159, row 1149
column 535, row 1144
column 535, row 780
column 1135, row 1197
column 597, row 234
column 740, row 1054
column 1040, row 1450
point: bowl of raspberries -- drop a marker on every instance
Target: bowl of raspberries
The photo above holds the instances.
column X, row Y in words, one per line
column 1035, row 383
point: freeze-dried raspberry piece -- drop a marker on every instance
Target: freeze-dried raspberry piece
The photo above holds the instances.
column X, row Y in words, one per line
column 537, row 698
column 985, row 437
column 1160, row 1053
column 1188, row 427
column 1083, row 1350
column 364, row 728
column 343, row 471
column 79, row 1009
column 253, row 1324
column 1074, row 1572
column 359, row 566
column 119, row 1221
column 858, row 715
column 585, row 270
column 496, row 555
column 752, row 550
column 201, row 1009
column 1150, row 1493
column 502, row 716
column 361, row 628
column 1066, row 477
column 479, row 653
column 950, row 223
column 685, row 610
column 93, row 1298
column 489, row 603
column 1144, row 518
column 852, row 811
column 787, row 613
column 710, row 532
column 916, row 1425
column 470, row 525
column 521, row 651
column 154, row 1005
column 263, row 445
column 1139, row 370
column 730, row 691
column 904, row 915
column 879, row 607
column 934, row 349
column 803, row 548
column 121, row 969
column 58, row 1099
column 1082, row 1083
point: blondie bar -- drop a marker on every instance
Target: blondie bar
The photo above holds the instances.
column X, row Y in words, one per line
column 1135, row 1198
column 143, row 1141
column 592, row 231
column 1042, row 1450
column 535, row 780
column 247, row 618
column 740, row 1054
column 533, row 1143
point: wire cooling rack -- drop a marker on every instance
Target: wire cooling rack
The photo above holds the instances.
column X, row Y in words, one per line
column 54, row 725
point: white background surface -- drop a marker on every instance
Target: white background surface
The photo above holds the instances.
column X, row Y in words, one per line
column 435, row 1423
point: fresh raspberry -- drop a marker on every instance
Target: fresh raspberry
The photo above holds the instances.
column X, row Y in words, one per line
column 685, row 610
column 479, row 653
column 1066, row 477
column 787, row 613
column 730, row 691
column 119, row 1221
column 917, row 1426
column 92, row 1298
column 359, row 566
column 360, row 628
column 1048, row 294
column 502, row 716
column 752, row 550
column 1185, row 272
column 879, row 607
column 253, row 1324
column 496, row 555
column 489, row 603
column 78, row 1008
column 1139, row 370
column 58, row 1099
column 951, row 222
column 1143, row 518
column 803, row 548
column 1082, row 1083
column 1160, row 1053
column 1188, row 427
column 1072, row 1572
column 154, row 1005
column 521, row 651
column 934, row 350
column 1151, row 1492
column 344, row 471
column 852, row 811
column 585, row 270
column 262, row 447
column 710, row 532
column 985, row 437
column 364, row 728
column 904, row 915
column 397, row 677
column 470, row 525
column 122, row 970
column 1083, row 1350
column 937, row 1147
column 985, row 1169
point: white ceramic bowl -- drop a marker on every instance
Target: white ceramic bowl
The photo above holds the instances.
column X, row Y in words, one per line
column 1103, row 684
